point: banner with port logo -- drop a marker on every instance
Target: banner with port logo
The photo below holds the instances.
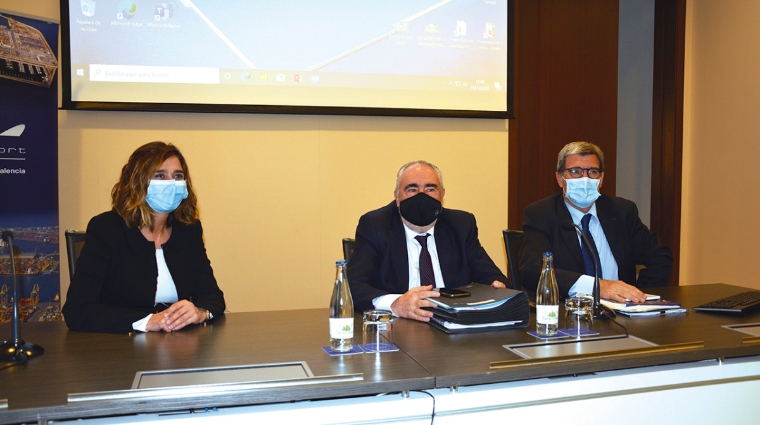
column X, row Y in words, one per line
column 29, row 166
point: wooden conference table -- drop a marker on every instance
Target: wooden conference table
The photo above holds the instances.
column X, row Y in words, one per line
column 75, row 363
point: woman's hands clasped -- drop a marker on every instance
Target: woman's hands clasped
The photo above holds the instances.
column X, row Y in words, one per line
column 177, row 316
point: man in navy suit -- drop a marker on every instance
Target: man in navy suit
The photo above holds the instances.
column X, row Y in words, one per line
column 621, row 239
column 388, row 269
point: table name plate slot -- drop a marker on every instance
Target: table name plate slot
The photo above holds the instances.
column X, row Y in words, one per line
column 216, row 380
column 221, row 375
column 592, row 349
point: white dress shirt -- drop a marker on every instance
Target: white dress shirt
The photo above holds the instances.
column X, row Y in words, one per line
column 166, row 291
column 413, row 249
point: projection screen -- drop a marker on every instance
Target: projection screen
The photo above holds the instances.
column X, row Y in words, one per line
column 393, row 57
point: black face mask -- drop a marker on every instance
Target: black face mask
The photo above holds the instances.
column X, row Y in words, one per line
column 420, row 209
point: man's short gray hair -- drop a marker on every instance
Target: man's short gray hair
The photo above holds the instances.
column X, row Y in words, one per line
column 420, row 162
column 579, row 148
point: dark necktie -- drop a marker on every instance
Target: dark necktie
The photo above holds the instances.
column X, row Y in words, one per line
column 426, row 263
column 588, row 261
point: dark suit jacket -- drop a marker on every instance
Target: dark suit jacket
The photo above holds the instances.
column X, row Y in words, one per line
column 379, row 264
column 116, row 275
column 630, row 240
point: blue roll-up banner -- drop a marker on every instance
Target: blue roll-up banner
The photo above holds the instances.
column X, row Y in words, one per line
column 29, row 166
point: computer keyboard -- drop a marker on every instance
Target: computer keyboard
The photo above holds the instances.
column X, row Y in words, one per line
column 742, row 303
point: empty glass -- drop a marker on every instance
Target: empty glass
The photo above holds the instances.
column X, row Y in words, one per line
column 578, row 315
column 377, row 327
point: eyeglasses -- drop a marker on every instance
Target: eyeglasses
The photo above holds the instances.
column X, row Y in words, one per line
column 577, row 172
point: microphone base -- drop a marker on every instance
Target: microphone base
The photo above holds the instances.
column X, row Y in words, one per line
column 17, row 352
column 602, row 312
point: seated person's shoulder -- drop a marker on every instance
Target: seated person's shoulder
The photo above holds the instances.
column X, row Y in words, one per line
column 448, row 214
column 543, row 204
column 382, row 213
column 103, row 220
column 617, row 202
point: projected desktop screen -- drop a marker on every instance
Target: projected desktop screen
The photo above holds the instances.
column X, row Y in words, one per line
column 392, row 57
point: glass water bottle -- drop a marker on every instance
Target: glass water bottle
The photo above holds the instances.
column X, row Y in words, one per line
column 341, row 311
column 547, row 299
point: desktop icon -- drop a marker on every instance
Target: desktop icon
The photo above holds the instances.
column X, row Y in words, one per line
column 461, row 28
column 126, row 9
column 400, row 26
column 490, row 30
column 163, row 11
column 88, row 7
column 431, row 28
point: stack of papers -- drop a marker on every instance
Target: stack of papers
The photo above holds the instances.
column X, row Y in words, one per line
column 653, row 305
column 486, row 308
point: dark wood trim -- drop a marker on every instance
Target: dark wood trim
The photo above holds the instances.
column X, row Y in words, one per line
column 566, row 89
column 667, row 125
column 523, row 179
column 566, row 76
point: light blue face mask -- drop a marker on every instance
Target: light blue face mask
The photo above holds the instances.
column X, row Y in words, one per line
column 164, row 196
column 582, row 192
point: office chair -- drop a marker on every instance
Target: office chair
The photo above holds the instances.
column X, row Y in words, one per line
column 513, row 240
column 74, row 244
column 348, row 248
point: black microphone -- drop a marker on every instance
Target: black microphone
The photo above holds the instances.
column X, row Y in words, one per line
column 16, row 351
column 599, row 310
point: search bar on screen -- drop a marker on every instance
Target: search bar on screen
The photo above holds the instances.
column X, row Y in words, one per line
column 153, row 74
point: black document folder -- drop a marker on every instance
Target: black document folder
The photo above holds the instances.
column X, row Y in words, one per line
column 486, row 309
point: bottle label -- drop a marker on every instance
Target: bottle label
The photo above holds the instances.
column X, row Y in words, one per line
column 342, row 328
column 547, row 314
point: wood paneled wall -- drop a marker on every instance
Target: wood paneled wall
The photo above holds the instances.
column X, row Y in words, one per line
column 566, row 76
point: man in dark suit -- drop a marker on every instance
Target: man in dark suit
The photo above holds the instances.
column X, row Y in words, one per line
column 621, row 240
column 409, row 247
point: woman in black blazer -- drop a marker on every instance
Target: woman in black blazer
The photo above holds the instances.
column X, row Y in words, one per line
column 144, row 265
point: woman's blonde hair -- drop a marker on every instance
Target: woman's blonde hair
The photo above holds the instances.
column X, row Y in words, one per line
column 129, row 193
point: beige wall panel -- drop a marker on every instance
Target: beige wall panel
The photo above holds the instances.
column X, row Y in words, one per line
column 278, row 192
column 721, row 144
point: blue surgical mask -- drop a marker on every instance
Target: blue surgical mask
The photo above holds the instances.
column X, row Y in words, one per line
column 164, row 196
column 582, row 192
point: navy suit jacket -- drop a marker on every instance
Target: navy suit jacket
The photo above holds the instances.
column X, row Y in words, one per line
column 379, row 264
column 630, row 240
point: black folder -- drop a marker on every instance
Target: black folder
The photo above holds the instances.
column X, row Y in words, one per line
column 483, row 306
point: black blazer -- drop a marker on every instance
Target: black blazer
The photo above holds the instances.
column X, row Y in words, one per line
column 630, row 240
column 116, row 275
column 379, row 264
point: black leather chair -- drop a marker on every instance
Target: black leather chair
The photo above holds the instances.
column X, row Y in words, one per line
column 348, row 248
column 74, row 244
column 513, row 240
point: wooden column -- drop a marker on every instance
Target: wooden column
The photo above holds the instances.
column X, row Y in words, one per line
column 667, row 125
column 566, row 74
